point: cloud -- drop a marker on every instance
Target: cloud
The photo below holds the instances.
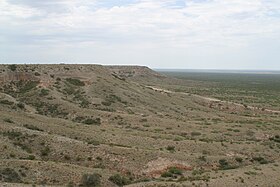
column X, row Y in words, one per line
column 194, row 25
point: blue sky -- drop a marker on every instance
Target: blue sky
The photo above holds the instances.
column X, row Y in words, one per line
column 187, row 34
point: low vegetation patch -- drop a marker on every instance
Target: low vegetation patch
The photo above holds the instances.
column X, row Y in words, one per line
column 75, row 82
column 173, row 172
column 9, row 175
column 91, row 180
column 32, row 127
column 87, row 120
column 119, row 180
column 224, row 165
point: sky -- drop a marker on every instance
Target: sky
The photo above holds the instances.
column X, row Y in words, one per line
column 180, row 34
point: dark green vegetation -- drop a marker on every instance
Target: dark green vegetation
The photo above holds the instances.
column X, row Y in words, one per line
column 91, row 180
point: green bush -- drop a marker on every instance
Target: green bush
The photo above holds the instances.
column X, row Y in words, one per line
column 32, row 127
column 172, row 172
column 224, row 165
column 45, row 151
column 9, row 175
column 75, row 82
column 44, row 92
column 238, row 159
column 195, row 133
column 170, row 148
column 12, row 134
column 119, row 180
column 175, row 171
column 91, row 180
column 261, row 160
column 13, row 67
column 90, row 121
column 6, row 102
column 21, row 105
column 31, row 157
column 8, row 120
column 166, row 174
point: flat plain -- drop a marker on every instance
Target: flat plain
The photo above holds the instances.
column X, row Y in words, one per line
column 92, row 125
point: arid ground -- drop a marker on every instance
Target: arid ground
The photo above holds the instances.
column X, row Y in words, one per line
column 93, row 125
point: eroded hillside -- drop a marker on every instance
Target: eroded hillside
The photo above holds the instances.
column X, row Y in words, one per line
column 113, row 126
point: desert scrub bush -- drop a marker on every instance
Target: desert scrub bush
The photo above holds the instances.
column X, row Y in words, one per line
column 195, row 133
column 8, row 120
column 26, row 86
column 31, row 157
column 143, row 120
column 172, row 172
column 239, row 159
column 13, row 135
column 260, row 159
column 175, row 171
column 21, row 105
column 170, row 148
column 119, row 180
column 6, row 102
column 44, row 92
column 94, row 142
column 45, row 151
column 12, row 67
column 96, row 121
column 75, row 82
column 224, row 165
column 32, row 127
column 88, row 121
column 91, row 180
column 276, row 139
column 9, row 175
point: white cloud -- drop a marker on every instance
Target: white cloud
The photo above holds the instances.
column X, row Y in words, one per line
column 156, row 24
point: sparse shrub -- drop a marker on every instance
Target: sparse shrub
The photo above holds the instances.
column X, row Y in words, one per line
column 143, row 120
column 8, row 120
column 6, row 102
column 261, row 160
column 12, row 67
column 67, row 157
column 119, row 180
column 13, row 134
column 195, row 133
column 75, row 82
column 166, row 174
column 37, row 74
column 31, row 157
column 276, row 138
column 170, row 148
column 224, row 165
column 21, row 105
column 32, row 127
column 175, row 171
column 44, row 92
column 91, row 180
column 238, row 159
column 26, row 86
column 45, row 151
column 172, row 172
column 202, row 158
column 94, row 142
column 9, row 175
column 90, row 121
